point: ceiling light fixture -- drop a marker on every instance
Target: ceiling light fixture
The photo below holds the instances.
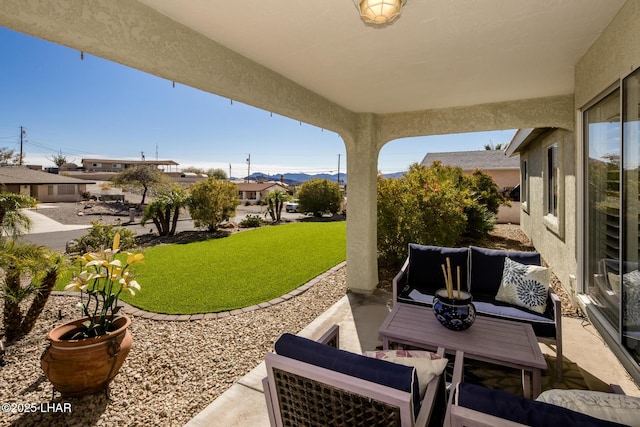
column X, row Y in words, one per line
column 379, row 12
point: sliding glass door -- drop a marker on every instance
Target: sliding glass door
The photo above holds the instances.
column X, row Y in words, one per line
column 612, row 218
column 630, row 288
column 602, row 140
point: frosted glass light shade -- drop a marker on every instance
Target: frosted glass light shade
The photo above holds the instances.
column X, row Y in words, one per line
column 380, row 11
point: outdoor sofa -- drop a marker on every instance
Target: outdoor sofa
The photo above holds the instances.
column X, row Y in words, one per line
column 481, row 274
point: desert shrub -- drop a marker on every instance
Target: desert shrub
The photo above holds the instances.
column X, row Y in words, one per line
column 481, row 215
column 423, row 206
column 212, row 201
column 251, row 221
column 438, row 205
column 318, row 196
column 101, row 236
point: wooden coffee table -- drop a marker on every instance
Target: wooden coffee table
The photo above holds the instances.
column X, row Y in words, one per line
column 490, row 340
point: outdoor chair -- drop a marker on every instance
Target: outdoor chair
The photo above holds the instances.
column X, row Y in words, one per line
column 310, row 383
column 473, row 405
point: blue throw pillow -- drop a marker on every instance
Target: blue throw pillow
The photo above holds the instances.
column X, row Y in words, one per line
column 394, row 375
column 425, row 271
column 520, row 410
column 487, row 266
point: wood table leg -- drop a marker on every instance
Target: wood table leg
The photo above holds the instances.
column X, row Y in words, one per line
column 537, row 383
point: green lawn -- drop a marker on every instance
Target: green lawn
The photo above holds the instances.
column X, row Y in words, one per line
column 243, row 269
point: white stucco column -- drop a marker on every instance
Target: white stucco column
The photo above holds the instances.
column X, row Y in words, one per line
column 362, row 161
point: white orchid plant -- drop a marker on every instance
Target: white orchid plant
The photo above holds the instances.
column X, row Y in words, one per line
column 102, row 279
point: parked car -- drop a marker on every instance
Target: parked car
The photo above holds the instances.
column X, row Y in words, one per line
column 291, row 207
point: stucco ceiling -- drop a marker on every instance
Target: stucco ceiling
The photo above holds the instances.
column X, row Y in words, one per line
column 440, row 53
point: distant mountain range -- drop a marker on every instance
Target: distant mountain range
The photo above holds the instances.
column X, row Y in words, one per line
column 299, row 178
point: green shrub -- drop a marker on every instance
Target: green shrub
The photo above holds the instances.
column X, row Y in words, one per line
column 251, row 221
column 212, row 202
column 319, row 196
column 101, row 236
column 437, row 205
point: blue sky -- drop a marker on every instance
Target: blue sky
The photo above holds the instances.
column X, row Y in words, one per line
column 97, row 108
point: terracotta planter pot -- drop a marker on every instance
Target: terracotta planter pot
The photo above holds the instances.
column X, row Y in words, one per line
column 85, row 366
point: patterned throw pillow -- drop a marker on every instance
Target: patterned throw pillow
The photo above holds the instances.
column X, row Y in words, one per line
column 428, row 365
column 631, row 308
column 524, row 285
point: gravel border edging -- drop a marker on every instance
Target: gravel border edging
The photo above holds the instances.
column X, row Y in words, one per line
column 135, row 311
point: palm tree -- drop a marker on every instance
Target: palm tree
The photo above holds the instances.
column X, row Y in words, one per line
column 165, row 209
column 29, row 270
column 12, row 221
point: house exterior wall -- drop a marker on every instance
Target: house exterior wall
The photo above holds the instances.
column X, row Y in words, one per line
column 104, row 166
column 557, row 245
column 505, row 179
column 53, row 193
column 614, row 54
column 255, row 197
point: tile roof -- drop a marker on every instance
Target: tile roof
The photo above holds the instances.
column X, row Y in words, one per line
column 22, row 175
column 469, row 160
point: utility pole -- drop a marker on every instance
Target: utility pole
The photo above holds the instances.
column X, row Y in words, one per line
column 229, row 171
column 22, row 133
column 338, row 170
column 249, row 168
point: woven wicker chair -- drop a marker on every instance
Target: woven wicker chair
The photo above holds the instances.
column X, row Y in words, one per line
column 300, row 394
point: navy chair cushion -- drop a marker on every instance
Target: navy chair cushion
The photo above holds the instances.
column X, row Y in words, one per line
column 520, row 410
column 399, row 377
column 425, row 272
column 487, row 266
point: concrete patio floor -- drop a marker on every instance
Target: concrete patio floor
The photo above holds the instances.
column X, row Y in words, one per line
column 359, row 318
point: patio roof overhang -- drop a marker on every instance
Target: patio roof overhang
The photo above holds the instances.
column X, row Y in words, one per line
column 443, row 67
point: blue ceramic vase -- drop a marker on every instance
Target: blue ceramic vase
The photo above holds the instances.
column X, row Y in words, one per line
column 456, row 314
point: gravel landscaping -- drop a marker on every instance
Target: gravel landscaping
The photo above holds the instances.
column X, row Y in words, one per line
column 174, row 369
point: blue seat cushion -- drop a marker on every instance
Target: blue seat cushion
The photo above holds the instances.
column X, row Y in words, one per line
column 487, row 266
column 520, row 410
column 425, row 271
column 399, row 377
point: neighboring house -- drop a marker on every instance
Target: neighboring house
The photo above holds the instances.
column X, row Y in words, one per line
column 504, row 170
column 43, row 186
column 116, row 165
column 255, row 192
